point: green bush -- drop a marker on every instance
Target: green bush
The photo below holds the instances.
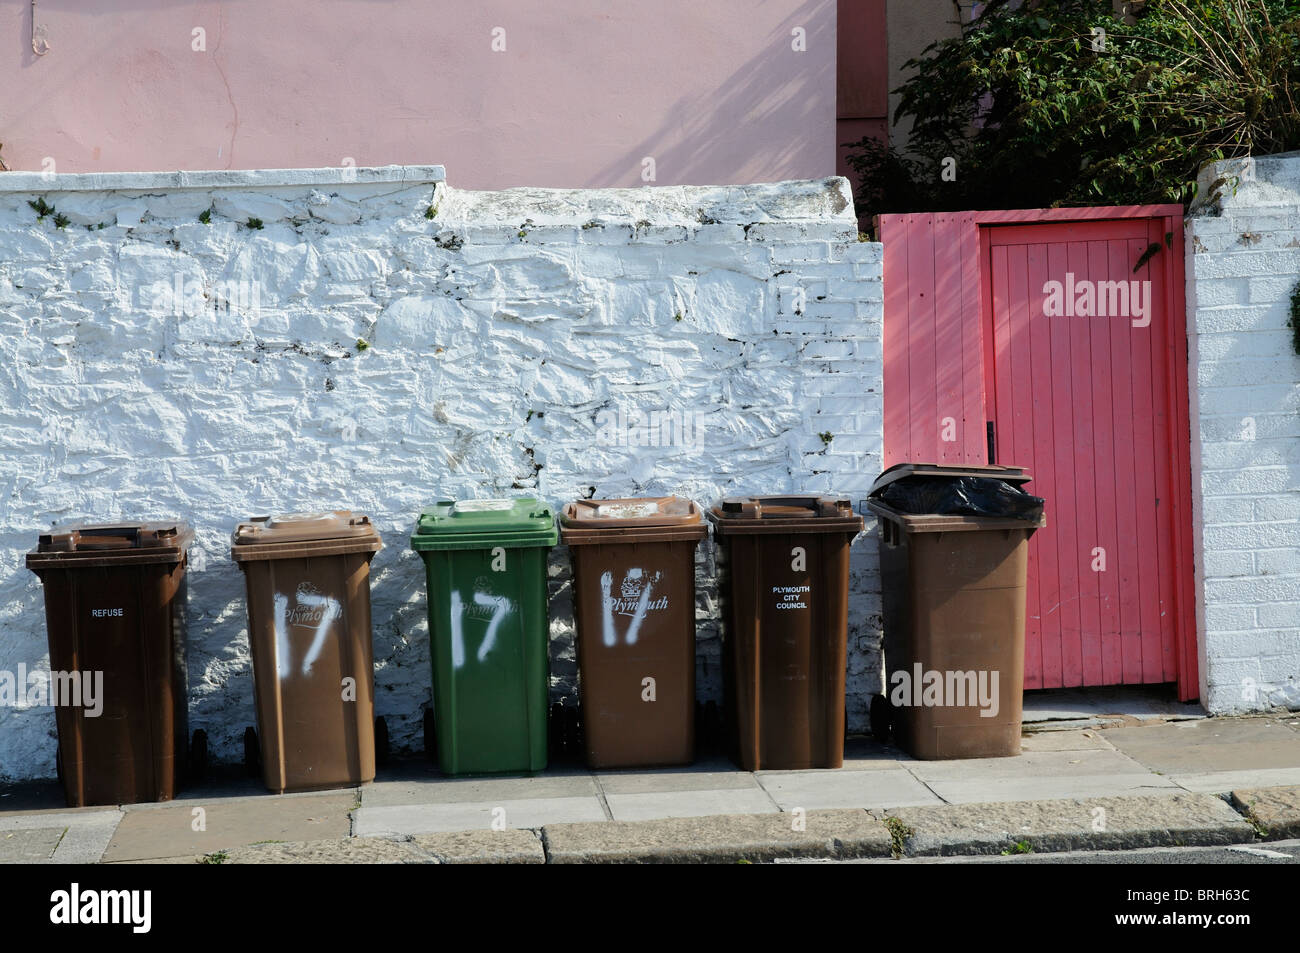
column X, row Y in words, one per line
column 1037, row 110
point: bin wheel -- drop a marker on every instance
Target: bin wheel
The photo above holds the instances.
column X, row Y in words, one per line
column 430, row 736
column 881, row 715
column 252, row 753
column 708, row 729
column 198, row 756
column 555, row 733
column 381, row 742
column 573, row 740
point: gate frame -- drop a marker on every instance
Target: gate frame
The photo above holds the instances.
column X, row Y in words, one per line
column 1178, row 394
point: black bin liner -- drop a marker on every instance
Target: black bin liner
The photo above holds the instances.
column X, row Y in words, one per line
column 961, row 496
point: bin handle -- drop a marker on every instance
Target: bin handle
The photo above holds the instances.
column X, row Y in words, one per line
column 820, row 506
column 124, row 537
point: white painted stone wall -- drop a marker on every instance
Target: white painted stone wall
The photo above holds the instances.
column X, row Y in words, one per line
column 1243, row 264
column 375, row 358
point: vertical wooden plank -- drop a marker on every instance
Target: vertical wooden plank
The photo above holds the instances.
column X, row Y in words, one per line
column 1180, row 455
column 1001, row 358
column 1082, row 380
column 949, row 316
column 1103, row 424
column 1020, row 452
column 1127, row 565
column 1063, row 516
column 893, row 236
column 1144, row 640
column 923, row 431
column 1039, row 372
column 974, row 417
column 1164, row 667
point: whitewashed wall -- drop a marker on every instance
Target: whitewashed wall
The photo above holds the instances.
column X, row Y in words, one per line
column 375, row 358
column 1243, row 264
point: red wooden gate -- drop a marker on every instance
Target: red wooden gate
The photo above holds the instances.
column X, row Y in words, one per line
column 1055, row 339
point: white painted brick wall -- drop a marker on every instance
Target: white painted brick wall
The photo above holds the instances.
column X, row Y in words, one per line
column 1243, row 262
column 498, row 330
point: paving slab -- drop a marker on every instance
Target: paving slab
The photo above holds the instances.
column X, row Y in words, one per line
column 168, row 830
column 29, row 846
column 1275, row 810
column 1224, row 782
column 865, row 754
column 38, row 796
column 84, row 834
column 1064, row 740
column 1030, row 764
column 992, row 790
column 1129, row 702
column 403, row 819
column 817, row 790
column 720, row 839
column 1210, row 745
column 659, row 804
column 241, row 792
column 674, row 779
column 344, row 850
column 1103, row 823
column 483, row 847
column 444, row 790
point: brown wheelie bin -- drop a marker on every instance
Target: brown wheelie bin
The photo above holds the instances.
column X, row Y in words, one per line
column 954, row 616
column 115, row 617
column 308, row 581
column 634, row 602
column 784, row 565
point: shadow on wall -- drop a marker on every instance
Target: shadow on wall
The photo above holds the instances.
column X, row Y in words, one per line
column 702, row 133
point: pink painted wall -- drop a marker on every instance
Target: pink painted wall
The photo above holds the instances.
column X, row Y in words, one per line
column 584, row 90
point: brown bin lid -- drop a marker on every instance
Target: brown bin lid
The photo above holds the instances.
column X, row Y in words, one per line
column 641, row 519
column 86, row 544
column 943, row 523
column 785, row 514
column 901, row 471
column 304, row 534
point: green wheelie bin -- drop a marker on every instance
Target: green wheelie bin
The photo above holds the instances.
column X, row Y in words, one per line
column 485, row 564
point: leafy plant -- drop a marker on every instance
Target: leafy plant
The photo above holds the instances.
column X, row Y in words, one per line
column 206, row 216
column 899, row 832
column 1060, row 103
column 255, row 223
column 40, row 207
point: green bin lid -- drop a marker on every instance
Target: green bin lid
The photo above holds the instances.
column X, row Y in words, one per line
column 472, row 524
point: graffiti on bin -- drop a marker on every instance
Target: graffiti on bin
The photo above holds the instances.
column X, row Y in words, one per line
column 635, row 598
column 483, row 606
column 311, row 609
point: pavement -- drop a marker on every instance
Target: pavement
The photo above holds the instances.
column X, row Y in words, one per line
column 1092, row 778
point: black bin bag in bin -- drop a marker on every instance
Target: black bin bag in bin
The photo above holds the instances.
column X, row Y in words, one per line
column 959, row 494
